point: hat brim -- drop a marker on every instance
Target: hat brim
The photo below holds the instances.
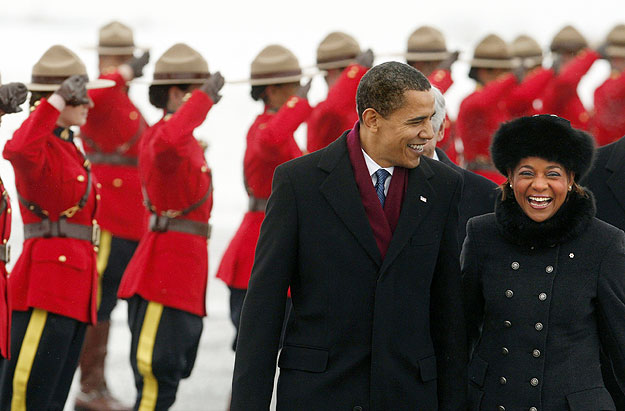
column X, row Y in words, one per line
column 615, row 51
column 174, row 81
column 426, row 56
column 335, row 64
column 279, row 80
column 115, row 51
column 530, row 62
column 93, row 84
column 495, row 63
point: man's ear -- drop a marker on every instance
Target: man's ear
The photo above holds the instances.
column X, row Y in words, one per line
column 441, row 132
column 371, row 119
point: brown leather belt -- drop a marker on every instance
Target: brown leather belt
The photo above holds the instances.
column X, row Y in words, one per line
column 161, row 224
column 257, row 204
column 5, row 253
column 61, row 228
column 112, row 159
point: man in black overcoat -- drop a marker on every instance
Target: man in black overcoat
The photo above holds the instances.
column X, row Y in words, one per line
column 372, row 266
column 607, row 182
column 478, row 193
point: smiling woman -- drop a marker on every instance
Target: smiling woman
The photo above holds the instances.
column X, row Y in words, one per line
column 543, row 265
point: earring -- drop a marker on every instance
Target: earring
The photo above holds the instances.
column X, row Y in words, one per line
column 510, row 184
column 570, row 188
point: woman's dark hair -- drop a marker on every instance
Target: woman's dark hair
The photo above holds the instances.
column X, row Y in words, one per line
column 258, row 93
column 159, row 93
column 35, row 96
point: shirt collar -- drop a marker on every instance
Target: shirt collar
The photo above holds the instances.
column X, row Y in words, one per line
column 435, row 156
column 372, row 166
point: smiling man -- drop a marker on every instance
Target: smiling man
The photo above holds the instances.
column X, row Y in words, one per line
column 364, row 234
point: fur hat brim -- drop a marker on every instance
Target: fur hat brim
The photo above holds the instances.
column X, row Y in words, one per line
column 546, row 136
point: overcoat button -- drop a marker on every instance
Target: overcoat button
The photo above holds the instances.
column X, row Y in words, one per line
column 507, row 324
column 503, row 381
column 533, row 409
column 571, row 255
column 358, row 408
column 505, row 351
column 549, row 269
column 536, row 353
column 501, row 408
column 542, row 296
column 534, row 382
column 509, row 293
column 515, row 265
column 538, row 326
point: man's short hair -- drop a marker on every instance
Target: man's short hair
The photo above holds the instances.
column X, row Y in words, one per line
column 382, row 88
column 440, row 110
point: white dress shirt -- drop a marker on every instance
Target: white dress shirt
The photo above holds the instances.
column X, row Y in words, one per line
column 372, row 166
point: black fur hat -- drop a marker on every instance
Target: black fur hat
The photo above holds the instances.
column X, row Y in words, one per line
column 545, row 136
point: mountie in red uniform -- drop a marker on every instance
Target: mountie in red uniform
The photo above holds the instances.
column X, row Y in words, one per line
column 54, row 273
column 525, row 100
column 111, row 136
column 270, row 143
column 480, row 115
column 5, row 307
column 560, row 96
column 170, row 266
column 337, row 113
column 609, row 119
column 441, row 79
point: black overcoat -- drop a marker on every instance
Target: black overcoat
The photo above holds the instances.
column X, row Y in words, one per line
column 538, row 316
column 364, row 333
column 607, row 182
column 478, row 194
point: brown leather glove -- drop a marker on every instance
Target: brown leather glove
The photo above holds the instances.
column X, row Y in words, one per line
column 451, row 59
column 74, row 90
column 213, row 85
column 138, row 63
column 12, row 95
column 302, row 91
column 365, row 58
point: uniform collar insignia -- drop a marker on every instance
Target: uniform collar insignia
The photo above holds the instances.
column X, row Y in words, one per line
column 64, row 134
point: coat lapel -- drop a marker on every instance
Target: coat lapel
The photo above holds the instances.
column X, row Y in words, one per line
column 341, row 191
column 418, row 199
column 616, row 165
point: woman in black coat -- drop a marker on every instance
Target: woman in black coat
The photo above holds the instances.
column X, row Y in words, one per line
column 544, row 280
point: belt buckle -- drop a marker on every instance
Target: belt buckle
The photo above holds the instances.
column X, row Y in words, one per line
column 159, row 223
column 7, row 253
column 95, row 234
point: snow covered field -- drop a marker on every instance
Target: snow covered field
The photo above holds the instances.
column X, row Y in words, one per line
column 229, row 34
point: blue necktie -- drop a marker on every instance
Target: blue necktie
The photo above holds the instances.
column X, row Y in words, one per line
column 382, row 175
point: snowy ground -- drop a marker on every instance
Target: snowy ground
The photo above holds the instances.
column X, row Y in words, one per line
column 229, row 34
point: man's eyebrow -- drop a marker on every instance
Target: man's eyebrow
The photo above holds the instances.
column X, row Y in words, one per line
column 416, row 119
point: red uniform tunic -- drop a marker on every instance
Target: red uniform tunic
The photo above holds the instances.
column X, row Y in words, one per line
column 330, row 118
column 560, row 96
column 480, row 115
column 524, row 100
column 54, row 274
column 5, row 307
column 269, row 143
column 114, row 126
column 441, row 79
column 171, row 267
column 609, row 119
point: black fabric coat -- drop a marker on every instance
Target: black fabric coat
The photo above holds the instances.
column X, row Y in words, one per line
column 478, row 195
column 607, row 182
column 363, row 334
column 542, row 300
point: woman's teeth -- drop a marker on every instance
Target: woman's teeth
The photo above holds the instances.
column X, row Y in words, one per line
column 539, row 202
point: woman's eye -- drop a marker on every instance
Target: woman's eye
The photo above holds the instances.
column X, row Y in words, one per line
column 525, row 173
column 553, row 174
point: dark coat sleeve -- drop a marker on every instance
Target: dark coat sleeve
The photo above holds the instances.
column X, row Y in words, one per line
column 611, row 305
column 447, row 319
column 263, row 309
column 471, row 286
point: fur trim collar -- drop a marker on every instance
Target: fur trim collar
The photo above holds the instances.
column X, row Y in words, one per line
column 568, row 222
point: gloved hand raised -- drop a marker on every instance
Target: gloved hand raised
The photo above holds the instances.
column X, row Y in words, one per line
column 365, row 58
column 213, row 85
column 12, row 95
column 138, row 63
column 74, row 90
column 451, row 59
column 302, row 91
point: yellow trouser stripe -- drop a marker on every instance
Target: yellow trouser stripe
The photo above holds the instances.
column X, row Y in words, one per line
column 104, row 252
column 30, row 343
column 145, row 349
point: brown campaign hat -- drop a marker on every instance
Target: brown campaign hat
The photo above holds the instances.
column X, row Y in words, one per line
column 568, row 40
column 337, row 50
column 180, row 64
column 116, row 39
column 275, row 65
column 616, row 41
column 528, row 50
column 493, row 52
column 426, row 44
column 57, row 64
